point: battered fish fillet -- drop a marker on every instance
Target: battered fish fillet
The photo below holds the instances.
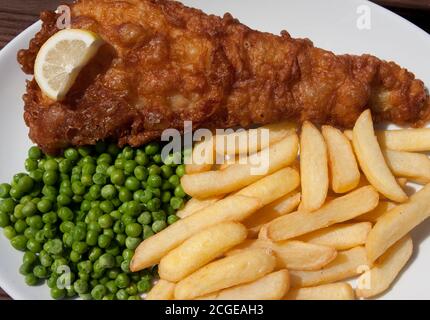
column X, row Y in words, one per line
column 164, row 63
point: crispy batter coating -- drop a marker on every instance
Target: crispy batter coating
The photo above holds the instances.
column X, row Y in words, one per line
column 164, row 63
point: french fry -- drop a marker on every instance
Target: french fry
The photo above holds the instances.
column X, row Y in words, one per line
column 232, row 208
column 340, row 236
column 373, row 216
column 345, row 175
column 227, row 272
column 292, row 255
column 372, row 161
column 338, row 210
column 386, row 269
column 251, row 141
column 162, row 290
column 200, row 249
column 272, row 187
column 347, row 264
column 194, row 205
column 280, row 207
column 415, row 166
column 412, row 140
column 237, row 176
column 313, row 167
column 203, row 157
column 398, row 222
column 331, row 291
column 271, row 287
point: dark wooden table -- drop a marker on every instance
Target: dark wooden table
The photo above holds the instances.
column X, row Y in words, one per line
column 15, row 16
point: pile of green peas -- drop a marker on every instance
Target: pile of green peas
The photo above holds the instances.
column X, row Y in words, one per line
column 78, row 218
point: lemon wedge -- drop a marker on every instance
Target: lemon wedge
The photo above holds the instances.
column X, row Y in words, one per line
column 61, row 58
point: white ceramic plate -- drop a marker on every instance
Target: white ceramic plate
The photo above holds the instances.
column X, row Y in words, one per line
column 331, row 24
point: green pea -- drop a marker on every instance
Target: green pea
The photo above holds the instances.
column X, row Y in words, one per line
column 94, row 254
column 174, row 180
column 30, row 233
column 133, row 230
column 180, row 170
column 125, row 195
column 52, row 280
column 98, row 291
column 71, row 154
column 20, row 226
column 33, row 246
column 122, row 281
column 111, row 286
column 118, row 227
column 104, row 241
column 119, row 163
column 51, row 165
column 67, row 226
column 166, row 196
column 132, row 289
column 63, row 199
column 128, row 153
column 4, row 220
column 116, row 215
column 54, row 246
column 78, row 188
column 86, row 180
column 154, row 170
column 179, row 192
column 125, row 266
column 153, row 204
column 141, row 159
column 85, row 266
column 144, row 286
column 92, row 237
column 158, row 215
column 154, row 181
column 44, row 205
column 34, row 153
column 176, row 203
column 113, row 149
column 9, row 232
column 30, row 164
column 81, row 286
column 50, row 217
column 31, row 280
column 4, row 190
column 65, row 166
column 145, row 218
column 120, row 238
column 157, row 158
column 141, row 173
column 46, row 261
column 7, row 205
column 99, row 178
column 16, row 193
column 75, row 256
column 94, row 192
column 133, row 208
column 105, row 221
column 104, row 158
column 65, row 214
column 108, row 192
column 29, row 257
column 107, row 261
column 171, row 219
column 26, row 268
column 152, row 148
column 132, row 183
column 40, row 271
column 79, row 233
column 132, row 242
column 36, row 175
column 84, row 152
column 35, row 222
column 159, row 225
column 147, row 232
column 49, row 230
column 129, row 166
column 50, row 177
column 80, row 247
column 57, row 293
column 94, row 226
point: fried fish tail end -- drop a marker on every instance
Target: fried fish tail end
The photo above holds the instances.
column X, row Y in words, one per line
column 163, row 63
